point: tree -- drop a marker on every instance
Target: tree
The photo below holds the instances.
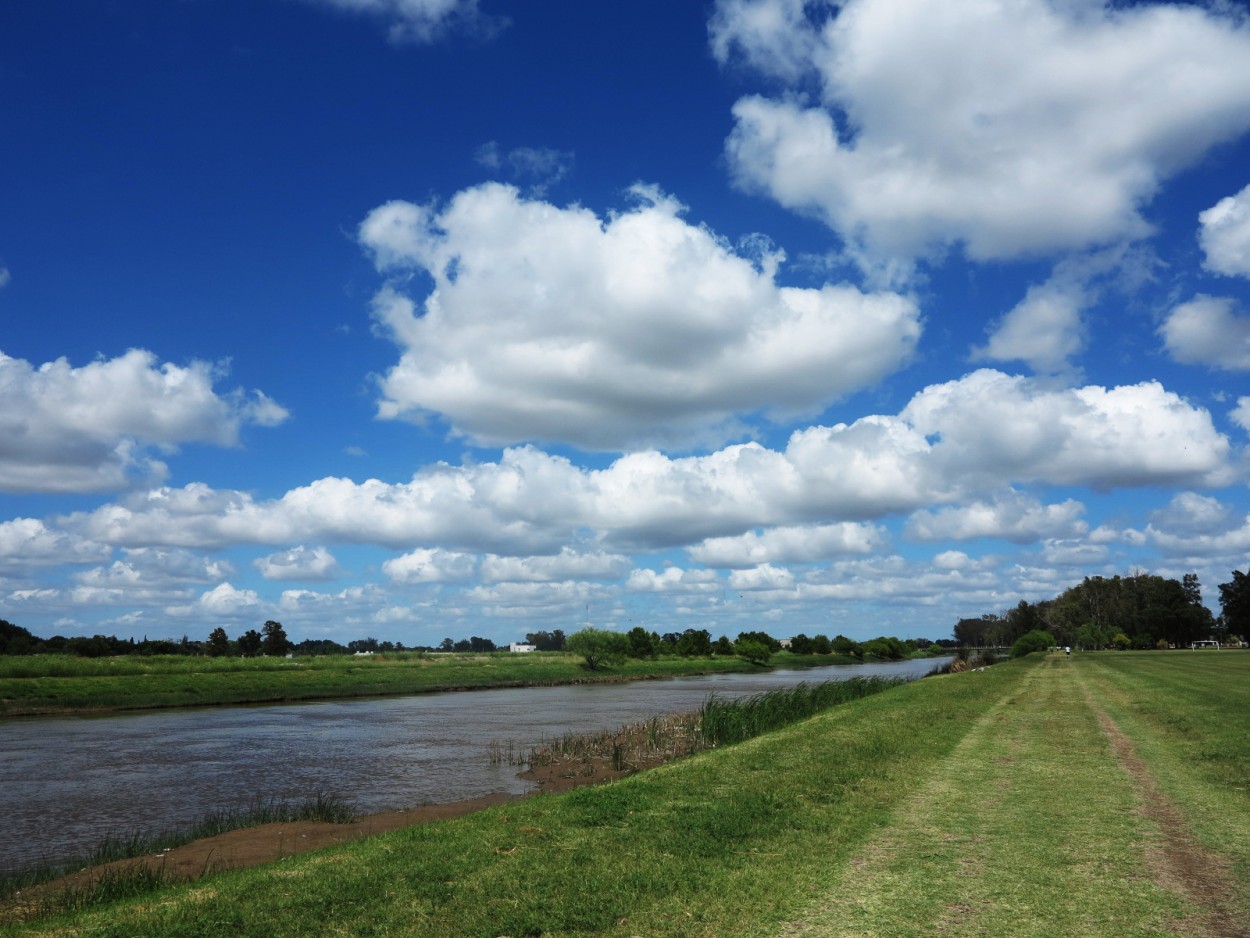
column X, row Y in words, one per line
column 250, row 643
column 723, row 646
column 1235, row 604
column 641, row 644
column 774, row 646
column 274, row 641
column 801, row 645
column 694, row 643
column 546, row 641
column 845, row 646
column 15, row 640
column 218, row 642
column 885, row 646
column 474, row 644
column 599, row 647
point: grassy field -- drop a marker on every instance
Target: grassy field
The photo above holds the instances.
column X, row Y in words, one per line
column 1103, row 795
column 48, row 684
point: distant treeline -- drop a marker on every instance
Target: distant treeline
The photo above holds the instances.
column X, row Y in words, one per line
column 272, row 640
column 1136, row 611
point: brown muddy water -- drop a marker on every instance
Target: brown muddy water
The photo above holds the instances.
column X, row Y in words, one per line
column 67, row 783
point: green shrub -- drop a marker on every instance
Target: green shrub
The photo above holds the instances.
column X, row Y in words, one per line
column 1029, row 642
column 754, row 652
column 599, row 647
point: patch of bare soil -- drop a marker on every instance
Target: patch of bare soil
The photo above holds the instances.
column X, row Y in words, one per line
column 1180, row 863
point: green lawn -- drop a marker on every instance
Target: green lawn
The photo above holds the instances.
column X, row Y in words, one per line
column 986, row 803
column 44, row 684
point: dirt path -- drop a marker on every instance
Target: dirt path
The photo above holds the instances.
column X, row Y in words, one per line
column 1179, row 863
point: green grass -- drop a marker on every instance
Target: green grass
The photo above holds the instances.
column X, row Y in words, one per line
column 985, row 803
column 43, row 684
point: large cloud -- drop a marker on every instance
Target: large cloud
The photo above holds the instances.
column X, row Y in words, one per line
column 1225, row 235
column 85, row 429
column 1008, row 126
column 1008, row 428
column 549, row 323
column 953, row 443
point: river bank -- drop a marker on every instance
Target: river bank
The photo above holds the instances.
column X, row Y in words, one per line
column 559, row 766
column 253, row 846
column 61, row 776
column 1026, row 800
column 54, row 685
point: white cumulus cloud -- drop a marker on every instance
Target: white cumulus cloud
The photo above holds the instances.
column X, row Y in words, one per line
column 568, row 564
column 299, row 563
column 553, row 324
column 431, row 565
column 960, row 442
column 1012, row 428
column 223, row 601
column 1012, row 516
column 790, row 544
column 1208, row 331
column 29, row 541
column 1225, row 235
column 87, row 428
column 1010, row 127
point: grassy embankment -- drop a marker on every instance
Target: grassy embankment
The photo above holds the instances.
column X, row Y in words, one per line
column 48, row 684
column 1044, row 797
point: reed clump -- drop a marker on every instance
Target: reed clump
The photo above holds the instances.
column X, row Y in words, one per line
column 719, row 721
column 726, row 721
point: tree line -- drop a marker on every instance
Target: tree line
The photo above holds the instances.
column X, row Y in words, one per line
column 272, row 640
column 1136, row 611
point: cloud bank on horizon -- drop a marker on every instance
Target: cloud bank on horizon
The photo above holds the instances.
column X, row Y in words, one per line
column 406, row 319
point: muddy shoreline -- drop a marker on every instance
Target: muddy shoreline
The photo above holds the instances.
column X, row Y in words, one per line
column 267, row 843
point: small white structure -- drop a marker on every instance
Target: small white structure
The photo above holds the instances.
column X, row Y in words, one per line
column 522, row 647
column 1205, row 644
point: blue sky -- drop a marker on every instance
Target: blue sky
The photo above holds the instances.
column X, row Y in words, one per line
column 425, row 318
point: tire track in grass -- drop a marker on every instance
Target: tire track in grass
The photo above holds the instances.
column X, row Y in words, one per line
column 1179, row 863
column 1030, row 829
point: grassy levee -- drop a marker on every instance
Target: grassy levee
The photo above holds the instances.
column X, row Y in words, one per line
column 1040, row 825
column 986, row 803
column 50, row 684
column 729, row 842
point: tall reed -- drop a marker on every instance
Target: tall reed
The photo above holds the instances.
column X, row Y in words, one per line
column 724, row 721
column 718, row 722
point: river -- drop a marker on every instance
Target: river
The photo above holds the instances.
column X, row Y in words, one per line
column 67, row 783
